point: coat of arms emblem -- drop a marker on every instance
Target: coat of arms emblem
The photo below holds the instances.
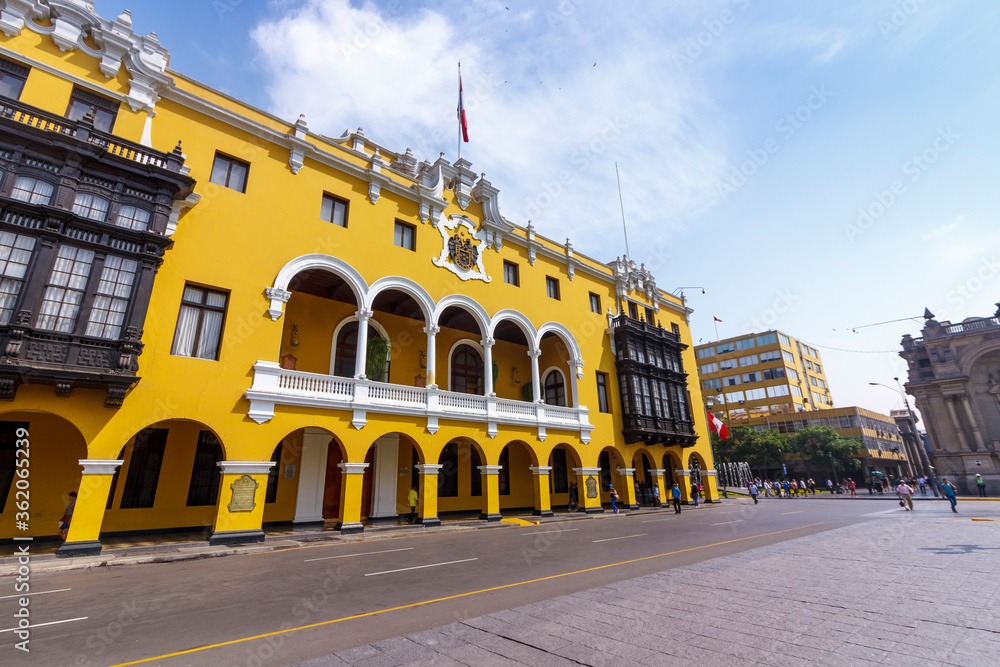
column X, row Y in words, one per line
column 461, row 251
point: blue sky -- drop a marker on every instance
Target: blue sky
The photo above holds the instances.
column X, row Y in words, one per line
column 815, row 166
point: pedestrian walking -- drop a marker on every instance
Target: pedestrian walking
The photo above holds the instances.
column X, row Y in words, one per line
column 829, row 485
column 694, row 493
column 853, row 487
column 981, row 485
column 574, row 498
column 656, row 496
column 753, row 492
column 795, row 488
column 675, row 495
column 412, row 498
column 949, row 491
column 67, row 516
column 905, row 493
column 812, row 485
column 614, row 498
column 922, row 483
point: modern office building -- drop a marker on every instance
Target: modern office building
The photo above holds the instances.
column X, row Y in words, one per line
column 214, row 318
column 954, row 377
column 757, row 375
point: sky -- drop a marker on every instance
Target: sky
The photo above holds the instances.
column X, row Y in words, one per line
column 815, row 167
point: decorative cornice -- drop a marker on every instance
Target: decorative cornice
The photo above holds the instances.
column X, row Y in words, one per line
column 352, row 468
column 100, row 466
column 540, row 470
column 490, row 470
column 245, row 467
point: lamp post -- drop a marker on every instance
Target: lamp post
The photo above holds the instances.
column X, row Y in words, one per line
column 924, row 461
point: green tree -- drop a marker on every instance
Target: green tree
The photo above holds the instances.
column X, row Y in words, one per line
column 758, row 449
column 819, row 446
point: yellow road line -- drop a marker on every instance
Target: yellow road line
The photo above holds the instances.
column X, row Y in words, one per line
column 457, row 596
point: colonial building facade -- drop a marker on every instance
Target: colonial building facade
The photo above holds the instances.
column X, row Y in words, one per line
column 211, row 317
column 954, row 377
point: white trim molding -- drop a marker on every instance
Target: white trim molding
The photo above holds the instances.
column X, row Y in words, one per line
column 245, row 467
column 100, row 466
column 429, row 468
column 490, row 470
column 540, row 470
column 352, row 468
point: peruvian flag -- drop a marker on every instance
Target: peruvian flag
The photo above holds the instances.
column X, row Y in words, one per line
column 716, row 318
column 461, row 111
column 715, row 425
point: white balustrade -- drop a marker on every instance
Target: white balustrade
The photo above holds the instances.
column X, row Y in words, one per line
column 273, row 385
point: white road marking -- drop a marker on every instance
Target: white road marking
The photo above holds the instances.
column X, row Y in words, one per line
column 797, row 512
column 722, row 523
column 892, row 511
column 543, row 532
column 367, row 553
column 24, row 595
column 625, row 537
column 41, row 625
column 418, row 567
column 655, row 520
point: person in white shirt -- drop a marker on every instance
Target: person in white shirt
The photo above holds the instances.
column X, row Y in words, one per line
column 905, row 494
column 829, row 485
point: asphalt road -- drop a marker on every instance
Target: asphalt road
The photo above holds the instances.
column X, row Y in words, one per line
column 308, row 600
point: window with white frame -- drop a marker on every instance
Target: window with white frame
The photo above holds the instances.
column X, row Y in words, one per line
column 770, row 355
column 199, row 324
column 730, row 380
column 751, row 377
column 709, row 368
column 91, row 206
column 32, row 190
column 133, row 217
column 65, row 289
column 749, row 360
column 756, row 394
column 777, row 390
column 734, row 396
column 15, row 253
column 112, row 297
column 796, row 392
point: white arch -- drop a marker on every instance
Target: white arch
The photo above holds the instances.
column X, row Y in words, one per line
column 278, row 294
column 564, row 333
column 556, row 369
column 347, row 320
column 471, row 343
column 406, row 286
column 523, row 323
column 471, row 306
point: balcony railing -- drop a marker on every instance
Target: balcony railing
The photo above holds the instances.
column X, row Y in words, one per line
column 84, row 130
column 273, row 385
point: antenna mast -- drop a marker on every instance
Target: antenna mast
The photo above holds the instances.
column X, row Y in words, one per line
column 622, row 203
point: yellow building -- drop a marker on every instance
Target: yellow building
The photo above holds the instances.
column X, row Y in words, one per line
column 212, row 317
column 756, row 375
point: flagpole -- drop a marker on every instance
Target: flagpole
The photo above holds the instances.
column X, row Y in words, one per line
column 716, row 323
column 460, row 110
column 621, row 202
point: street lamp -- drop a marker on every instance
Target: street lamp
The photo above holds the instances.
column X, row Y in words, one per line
column 925, row 462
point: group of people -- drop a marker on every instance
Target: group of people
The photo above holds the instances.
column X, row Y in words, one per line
column 786, row 488
column 881, row 484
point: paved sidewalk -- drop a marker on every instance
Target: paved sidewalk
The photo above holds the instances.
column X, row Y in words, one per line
column 898, row 591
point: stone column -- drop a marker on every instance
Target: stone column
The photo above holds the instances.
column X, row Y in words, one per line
column 361, row 356
column 575, row 373
column 491, row 493
column 536, row 390
column 487, row 344
column 543, row 501
column 351, row 489
column 240, row 513
column 627, row 494
column 589, row 489
column 972, row 421
column 710, row 486
column 432, row 331
column 88, row 512
column 312, row 476
column 950, row 402
column 429, row 493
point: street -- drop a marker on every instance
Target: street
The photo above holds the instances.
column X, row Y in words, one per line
column 330, row 597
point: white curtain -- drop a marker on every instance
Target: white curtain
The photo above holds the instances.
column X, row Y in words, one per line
column 187, row 326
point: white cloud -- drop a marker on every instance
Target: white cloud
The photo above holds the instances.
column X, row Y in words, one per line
column 554, row 96
column 943, row 230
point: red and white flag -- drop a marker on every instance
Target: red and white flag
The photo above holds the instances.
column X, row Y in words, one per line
column 716, row 318
column 716, row 426
column 461, row 111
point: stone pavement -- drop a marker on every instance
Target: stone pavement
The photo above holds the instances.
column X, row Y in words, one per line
column 896, row 590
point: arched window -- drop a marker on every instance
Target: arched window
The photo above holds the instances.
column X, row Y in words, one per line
column 555, row 389
column 466, row 365
column 346, row 353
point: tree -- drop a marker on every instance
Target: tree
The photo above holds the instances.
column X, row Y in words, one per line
column 819, row 446
column 759, row 449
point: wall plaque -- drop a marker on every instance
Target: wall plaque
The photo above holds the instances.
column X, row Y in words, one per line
column 591, row 487
column 244, row 490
